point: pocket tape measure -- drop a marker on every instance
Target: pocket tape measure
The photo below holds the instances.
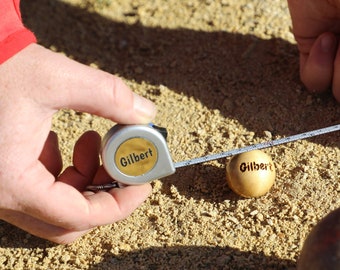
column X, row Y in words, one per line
column 137, row 154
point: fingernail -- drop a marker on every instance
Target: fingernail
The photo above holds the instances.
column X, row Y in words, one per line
column 145, row 109
column 327, row 43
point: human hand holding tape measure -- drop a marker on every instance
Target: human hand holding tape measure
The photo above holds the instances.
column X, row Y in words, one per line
column 137, row 154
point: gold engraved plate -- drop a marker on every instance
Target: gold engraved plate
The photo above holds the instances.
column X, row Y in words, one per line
column 136, row 156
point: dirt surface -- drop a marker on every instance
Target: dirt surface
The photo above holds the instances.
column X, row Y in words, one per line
column 224, row 74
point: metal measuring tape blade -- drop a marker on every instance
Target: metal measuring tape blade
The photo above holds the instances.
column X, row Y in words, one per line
column 137, row 154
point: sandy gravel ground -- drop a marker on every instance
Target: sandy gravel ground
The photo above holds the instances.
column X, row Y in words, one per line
column 224, row 74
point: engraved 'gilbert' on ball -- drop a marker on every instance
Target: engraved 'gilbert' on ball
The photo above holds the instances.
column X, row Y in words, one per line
column 251, row 174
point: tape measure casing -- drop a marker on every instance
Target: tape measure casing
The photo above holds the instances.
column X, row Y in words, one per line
column 136, row 154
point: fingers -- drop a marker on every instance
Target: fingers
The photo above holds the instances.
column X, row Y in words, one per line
column 69, row 84
column 317, row 67
column 101, row 177
column 86, row 151
column 106, row 208
column 85, row 160
column 50, row 155
column 59, row 204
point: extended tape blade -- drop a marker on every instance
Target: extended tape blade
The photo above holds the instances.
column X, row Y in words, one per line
column 258, row 146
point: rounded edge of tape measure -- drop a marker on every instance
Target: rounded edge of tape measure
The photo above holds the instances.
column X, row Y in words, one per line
column 118, row 135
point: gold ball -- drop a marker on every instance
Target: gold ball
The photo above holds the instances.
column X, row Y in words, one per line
column 251, row 174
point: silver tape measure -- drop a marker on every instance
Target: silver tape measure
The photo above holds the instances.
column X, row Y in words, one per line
column 137, row 154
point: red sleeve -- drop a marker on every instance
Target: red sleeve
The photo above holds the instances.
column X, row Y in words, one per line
column 13, row 35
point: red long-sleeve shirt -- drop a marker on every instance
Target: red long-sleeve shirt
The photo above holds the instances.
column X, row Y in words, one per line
column 13, row 35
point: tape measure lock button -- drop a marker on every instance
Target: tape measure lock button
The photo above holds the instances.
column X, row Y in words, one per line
column 136, row 154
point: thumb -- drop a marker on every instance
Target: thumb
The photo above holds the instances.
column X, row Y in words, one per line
column 76, row 86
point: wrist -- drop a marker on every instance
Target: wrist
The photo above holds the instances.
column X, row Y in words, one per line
column 13, row 35
column 15, row 43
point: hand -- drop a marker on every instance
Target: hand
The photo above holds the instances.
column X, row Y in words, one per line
column 316, row 27
column 34, row 194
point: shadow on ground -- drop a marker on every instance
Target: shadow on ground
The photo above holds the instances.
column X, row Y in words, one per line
column 247, row 78
column 154, row 258
column 192, row 257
